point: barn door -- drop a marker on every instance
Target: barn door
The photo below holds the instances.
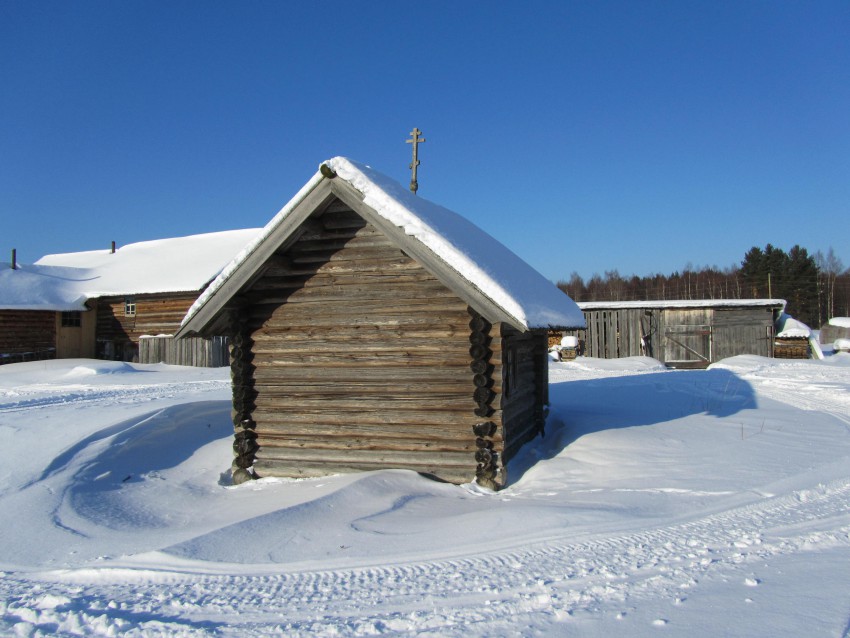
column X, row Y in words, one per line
column 687, row 345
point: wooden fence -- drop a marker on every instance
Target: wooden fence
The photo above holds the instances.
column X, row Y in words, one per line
column 192, row 351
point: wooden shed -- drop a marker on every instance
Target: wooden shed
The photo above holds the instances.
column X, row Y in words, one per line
column 123, row 304
column 373, row 329
column 680, row 334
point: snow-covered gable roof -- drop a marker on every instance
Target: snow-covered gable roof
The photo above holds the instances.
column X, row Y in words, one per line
column 66, row 281
column 459, row 253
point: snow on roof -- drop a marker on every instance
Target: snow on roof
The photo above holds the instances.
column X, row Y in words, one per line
column 507, row 280
column 841, row 322
column 66, row 281
column 789, row 328
column 681, row 303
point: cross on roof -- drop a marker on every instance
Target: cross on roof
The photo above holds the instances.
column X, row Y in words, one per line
column 415, row 140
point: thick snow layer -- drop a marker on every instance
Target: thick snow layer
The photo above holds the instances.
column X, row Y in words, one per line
column 64, row 282
column 656, row 499
column 31, row 287
column 510, row 282
column 683, row 303
column 505, row 278
column 788, row 327
column 843, row 322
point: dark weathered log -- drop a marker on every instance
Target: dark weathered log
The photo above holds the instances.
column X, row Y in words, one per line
column 479, row 324
column 440, row 434
column 478, row 338
column 482, row 395
column 332, row 445
column 483, row 410
column 479, row 352
column 479, row 366
column 482, row 381
column 484, row 428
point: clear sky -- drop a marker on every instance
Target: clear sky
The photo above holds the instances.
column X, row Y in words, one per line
column 586, row 136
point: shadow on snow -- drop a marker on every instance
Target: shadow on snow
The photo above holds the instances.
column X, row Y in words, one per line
column 585, row 406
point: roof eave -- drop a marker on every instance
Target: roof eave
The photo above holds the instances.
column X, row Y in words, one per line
column 206, row 317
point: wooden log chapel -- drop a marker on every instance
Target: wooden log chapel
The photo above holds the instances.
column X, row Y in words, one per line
column 373, row 329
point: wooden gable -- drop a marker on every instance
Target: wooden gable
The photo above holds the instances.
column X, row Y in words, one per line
column 359, row 358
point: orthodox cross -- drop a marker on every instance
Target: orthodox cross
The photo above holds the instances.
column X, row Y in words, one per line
column 415, row 140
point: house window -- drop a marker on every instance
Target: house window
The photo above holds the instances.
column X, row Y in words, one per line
column 130, row 307
column 72, row 319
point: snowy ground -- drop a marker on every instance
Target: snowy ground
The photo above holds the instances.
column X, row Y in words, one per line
column 698, row 503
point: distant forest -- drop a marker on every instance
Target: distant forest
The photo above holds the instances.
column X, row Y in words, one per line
column 816, row 286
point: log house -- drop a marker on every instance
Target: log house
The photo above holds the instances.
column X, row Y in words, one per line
column 102, row 303
column 361, row 342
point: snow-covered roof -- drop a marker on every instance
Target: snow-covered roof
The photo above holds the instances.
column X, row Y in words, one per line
column 841, row 322
column 470, row 255
column 682, row 303
column 66, row 281
column 789, row 328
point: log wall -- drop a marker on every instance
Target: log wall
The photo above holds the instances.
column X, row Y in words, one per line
column 354, row 358
column 118, row 335
column 27, row 335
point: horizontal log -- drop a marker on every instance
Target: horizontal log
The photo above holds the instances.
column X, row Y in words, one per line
column 286, row 279
column 295, row 389
column 402, row 347
column 384, row 374
column 415, row 417
column 456, row 431
column 362, row 359
column 381, row 307
column 394, row 458
column 442, row 402
column 333, row 445
column 454, row 474
column 263, row 318
column 357, row 334
column 344, row 295
column 334, row 220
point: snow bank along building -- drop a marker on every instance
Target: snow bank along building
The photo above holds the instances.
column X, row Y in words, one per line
column 683, row 333
column 114, row 304
column 373, row 329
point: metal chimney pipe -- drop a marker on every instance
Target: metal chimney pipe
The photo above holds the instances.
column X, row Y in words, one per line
column 14, row 259
column 113, row 247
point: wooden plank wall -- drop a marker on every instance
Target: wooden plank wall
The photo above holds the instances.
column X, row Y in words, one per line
column 742, row 331
column 190, row 351
column 613, row 333
column 685, row 327
column 360, row 359
column 618, row 332
column 27, row 335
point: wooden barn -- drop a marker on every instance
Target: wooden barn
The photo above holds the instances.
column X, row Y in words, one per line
column 123, row 304
column 680, row 334
column 373, row 329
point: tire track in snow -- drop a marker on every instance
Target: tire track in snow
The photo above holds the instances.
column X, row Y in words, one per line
column 111, row 395
column 557, row 578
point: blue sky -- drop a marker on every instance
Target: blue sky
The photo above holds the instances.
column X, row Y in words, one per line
column 637, row 136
